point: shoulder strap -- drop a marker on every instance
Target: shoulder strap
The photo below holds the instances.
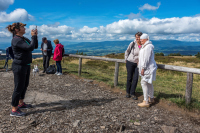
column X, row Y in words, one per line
column 133, row 44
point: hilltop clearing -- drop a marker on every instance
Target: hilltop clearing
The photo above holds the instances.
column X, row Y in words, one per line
column 69, row 104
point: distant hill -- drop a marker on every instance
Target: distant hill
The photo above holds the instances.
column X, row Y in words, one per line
column 107, row 47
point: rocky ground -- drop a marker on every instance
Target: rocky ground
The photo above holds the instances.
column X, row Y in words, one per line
column 65, row 104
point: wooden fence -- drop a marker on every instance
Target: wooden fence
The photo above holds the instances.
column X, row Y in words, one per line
column 189, row 71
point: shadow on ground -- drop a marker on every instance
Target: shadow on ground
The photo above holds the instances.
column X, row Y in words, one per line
column 70, row 104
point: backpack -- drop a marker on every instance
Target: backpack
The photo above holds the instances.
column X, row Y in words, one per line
column 63, row 51
column 9, row 52
column 51, row 69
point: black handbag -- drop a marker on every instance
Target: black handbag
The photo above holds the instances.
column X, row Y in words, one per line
column 51, row 69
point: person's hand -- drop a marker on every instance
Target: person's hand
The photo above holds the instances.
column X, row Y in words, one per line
column 125, row 61
column 45, row 50
column 34, row 32
column 41, row 49
column 142, row 72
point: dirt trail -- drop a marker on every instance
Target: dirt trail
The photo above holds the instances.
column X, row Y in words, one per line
column 72, row 105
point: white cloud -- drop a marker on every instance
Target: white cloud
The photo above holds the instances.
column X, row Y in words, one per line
column 16, row 15
column 122, row 38
column 52, row 30
column 149, row 7
column 132, row 15
column 4, row 4
column 155, row 25
column 88, row 30
column 4, row 34
column 183, row 29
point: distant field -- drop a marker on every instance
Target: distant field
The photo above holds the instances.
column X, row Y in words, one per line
column 169, row 85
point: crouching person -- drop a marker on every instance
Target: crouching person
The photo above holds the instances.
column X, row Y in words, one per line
column 58, row 56
column 147, row 70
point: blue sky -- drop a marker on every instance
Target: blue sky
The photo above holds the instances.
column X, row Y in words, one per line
column 103, row 20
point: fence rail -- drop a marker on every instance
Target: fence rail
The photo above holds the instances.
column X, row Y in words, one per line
column 189, row 71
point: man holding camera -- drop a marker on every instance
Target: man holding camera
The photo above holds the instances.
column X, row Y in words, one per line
column 46, row 49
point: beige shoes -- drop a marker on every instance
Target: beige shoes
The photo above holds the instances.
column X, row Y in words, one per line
column 144, row 104
column 151, row 100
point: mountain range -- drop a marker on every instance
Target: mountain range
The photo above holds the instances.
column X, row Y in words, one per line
column 107, row 47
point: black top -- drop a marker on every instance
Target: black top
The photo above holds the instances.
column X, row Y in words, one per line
column 49, row 48
column 22, row 49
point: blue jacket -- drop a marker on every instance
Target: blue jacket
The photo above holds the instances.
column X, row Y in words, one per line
column 49, row 48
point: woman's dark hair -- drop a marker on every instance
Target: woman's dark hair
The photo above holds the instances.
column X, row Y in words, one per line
column 14, row 26
column 138, row 34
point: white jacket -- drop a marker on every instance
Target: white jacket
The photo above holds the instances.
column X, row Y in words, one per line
column 147, row 62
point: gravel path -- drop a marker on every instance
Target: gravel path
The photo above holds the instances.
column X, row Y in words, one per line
column 66, row 104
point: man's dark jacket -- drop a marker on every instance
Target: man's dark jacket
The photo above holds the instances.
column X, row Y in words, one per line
column 22, row 49
column 49, row 48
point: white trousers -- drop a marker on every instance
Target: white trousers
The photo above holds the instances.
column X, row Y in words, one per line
column 148, row 90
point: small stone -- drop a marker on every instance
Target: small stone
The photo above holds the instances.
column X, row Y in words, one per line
column 156, row 118
column 138, row 115
column 66, row 85
column 33, row 123
column 122, row 128
column 21, row 127
column 102, row 127
column 168, row 129
column 137, row 123
column 76, row 123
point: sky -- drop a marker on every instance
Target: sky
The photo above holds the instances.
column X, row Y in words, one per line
column 103, row 20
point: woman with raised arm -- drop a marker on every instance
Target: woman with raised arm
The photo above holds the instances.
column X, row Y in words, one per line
column 147, row 70
column 22, row 49
column 131, row 59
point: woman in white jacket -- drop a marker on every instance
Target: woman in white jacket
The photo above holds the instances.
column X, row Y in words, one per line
column 147, row 70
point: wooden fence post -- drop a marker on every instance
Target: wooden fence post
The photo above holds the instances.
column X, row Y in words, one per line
column 188, row 92
column 116, row 73
column 80, row 66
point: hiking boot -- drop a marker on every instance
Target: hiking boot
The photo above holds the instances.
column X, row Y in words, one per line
column 25, row 106
column 144, row 104
column 134, row 97
column 128, row 95
column 17, row 113
column 151, row 100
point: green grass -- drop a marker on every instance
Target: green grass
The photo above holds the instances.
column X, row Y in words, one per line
column 169, row 85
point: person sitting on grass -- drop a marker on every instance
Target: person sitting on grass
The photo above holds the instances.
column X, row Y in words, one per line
column 58, row 56
column 147, row 70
